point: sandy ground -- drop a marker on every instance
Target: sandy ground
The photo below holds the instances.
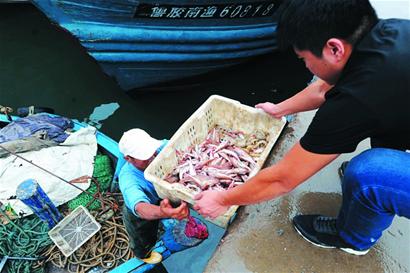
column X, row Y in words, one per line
column 262, row 238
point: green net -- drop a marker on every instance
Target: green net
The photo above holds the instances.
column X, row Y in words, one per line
column 25, row 237
column 104, row 174
column 28, row 236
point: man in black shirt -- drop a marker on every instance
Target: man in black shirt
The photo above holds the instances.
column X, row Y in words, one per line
column 362, row 91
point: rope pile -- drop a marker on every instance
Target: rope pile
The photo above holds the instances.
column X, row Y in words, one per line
column 106, row 249
column 109, row 247
column 25, row 237
column 28, row 237
column 5, row 110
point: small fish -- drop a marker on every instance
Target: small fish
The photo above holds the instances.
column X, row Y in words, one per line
column 218, row 163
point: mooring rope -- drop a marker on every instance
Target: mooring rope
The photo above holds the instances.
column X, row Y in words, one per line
column 6, row 111
column 26, row 238
column 107, row 249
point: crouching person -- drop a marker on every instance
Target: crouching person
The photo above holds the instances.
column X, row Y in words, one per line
column 142, row 206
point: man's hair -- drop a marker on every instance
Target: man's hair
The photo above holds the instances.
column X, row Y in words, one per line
column 309, row 24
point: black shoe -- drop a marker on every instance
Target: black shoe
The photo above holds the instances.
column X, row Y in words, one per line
column 342, row 169
column 322, row 232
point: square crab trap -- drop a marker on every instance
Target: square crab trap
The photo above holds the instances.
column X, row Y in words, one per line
column 74, row 230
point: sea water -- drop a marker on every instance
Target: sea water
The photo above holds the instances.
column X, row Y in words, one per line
column 45, row 66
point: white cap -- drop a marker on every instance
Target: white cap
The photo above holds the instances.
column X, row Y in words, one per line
column 138, row 144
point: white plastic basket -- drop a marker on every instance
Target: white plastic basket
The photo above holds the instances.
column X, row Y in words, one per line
column 74, row 230
column 216, row 110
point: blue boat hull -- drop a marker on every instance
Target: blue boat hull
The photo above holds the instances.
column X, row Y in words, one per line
column 140, row 47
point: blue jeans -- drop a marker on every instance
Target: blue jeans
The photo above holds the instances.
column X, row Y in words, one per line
column 376, row 187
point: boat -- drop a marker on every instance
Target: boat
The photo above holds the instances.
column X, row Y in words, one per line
column 145, row 43
column 109, row 147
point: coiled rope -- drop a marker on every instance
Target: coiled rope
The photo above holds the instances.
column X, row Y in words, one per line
column 6, row 111
column 24, row 238
column 107, row 249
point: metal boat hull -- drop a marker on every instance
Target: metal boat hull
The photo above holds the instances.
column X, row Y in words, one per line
column 143, row 44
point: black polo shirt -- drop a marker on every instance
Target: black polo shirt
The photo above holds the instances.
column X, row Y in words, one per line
column 372, row 97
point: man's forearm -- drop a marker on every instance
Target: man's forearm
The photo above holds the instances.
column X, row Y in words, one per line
column 281, row 178
column 274, row 181
column 266, row 185
column 310, row 98
column 148, row 211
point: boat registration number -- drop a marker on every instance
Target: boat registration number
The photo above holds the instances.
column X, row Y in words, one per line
column 218, row 11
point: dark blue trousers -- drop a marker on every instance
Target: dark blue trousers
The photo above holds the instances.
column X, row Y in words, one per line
column 376, row 187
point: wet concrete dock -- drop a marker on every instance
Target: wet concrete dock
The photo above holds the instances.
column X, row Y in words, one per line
column 262, row 238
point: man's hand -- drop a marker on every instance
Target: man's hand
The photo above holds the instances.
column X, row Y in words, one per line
column 209, row 204
column 178, row 213
column 270, row 108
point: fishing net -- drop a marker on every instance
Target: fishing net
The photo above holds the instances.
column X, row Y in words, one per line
column 28, row 236
column 104, row 174
column 24, row 237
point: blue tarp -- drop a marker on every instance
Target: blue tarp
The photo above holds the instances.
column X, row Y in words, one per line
column 191, row 260
column 195, row 259
column 52, row 126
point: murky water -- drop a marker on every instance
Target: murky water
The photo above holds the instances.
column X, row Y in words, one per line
column 43, row 65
